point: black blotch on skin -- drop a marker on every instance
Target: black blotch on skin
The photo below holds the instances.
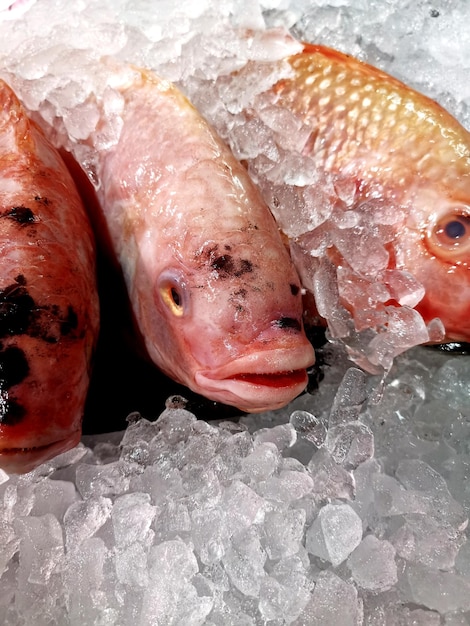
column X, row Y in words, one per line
column 20, row 315
column 288, row 322
column 226, row 266
column 13, row 366
column 70, row 323
column 21, row 214
column 16, row 306
column 294, row 289
column 14, row 369
column 11, row 411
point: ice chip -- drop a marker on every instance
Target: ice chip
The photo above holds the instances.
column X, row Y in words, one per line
column 41, row 547
column 350, row 444
column 284, row 531
column 131, row 565
column 334, row 602
column 262, row 462
column 440, row 591
column 349, row 398
column 308, row 427
column 244, row 563
column 83, row 519
column 172, row 564
column 334, row 534
column 373, row 565
column 403, row 287
column 132, row 516
column 331, row 480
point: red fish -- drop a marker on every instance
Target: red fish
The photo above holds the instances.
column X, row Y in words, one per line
column 48, row 297
column 393, row 152
column 214, row 293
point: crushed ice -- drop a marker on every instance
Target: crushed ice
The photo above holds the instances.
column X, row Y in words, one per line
column 339, row 510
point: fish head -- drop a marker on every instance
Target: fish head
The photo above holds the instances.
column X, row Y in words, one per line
column 435, row 245
column 227, row 319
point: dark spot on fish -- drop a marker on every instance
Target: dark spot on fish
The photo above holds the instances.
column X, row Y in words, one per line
column 11, row 411
column 42, row 200
column 21, row 214
column 13, row 366
column 227, row 247
column 16, row 306
column 14, row 369
column 287, row 322
column 225, row 265
column 434, row 13
column 240, row 293
column 294, row 289
column 20, row 315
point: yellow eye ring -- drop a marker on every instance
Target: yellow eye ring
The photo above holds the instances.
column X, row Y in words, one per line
column 173, row 292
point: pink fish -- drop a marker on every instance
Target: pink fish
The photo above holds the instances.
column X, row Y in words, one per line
column 214, row 293
column 392, row 149
column 48, row 297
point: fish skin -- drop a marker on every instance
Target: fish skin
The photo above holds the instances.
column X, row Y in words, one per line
column 215, row 296
column 49, row 312
column 397, row 144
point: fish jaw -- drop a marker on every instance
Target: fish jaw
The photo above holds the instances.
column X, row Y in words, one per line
column 257, row 383
column 22, row 460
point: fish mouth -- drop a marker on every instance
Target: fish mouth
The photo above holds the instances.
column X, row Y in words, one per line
column 20, row 460
column 253, row 384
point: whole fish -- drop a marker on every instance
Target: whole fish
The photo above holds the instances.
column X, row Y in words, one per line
column 392, row 149
column 48, row 297
column 215, row 296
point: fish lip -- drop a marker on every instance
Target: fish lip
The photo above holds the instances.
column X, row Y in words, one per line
column 20, row 460
column 254, row 383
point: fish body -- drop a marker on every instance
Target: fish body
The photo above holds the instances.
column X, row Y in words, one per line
column 48, row 297
column 399, row 150
column 215, row 296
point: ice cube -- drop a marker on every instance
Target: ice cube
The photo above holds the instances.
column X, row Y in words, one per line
column 283, row 532
column 308, row 427
column 41, row 547
column 244, row 563
column 334, row 534
column 132, row 516
column 373, row 565
column 333, row 602
column 440, row 591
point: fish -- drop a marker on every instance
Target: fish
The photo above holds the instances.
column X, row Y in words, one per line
column 396, row 149
column 49, row 310
column 216, row 299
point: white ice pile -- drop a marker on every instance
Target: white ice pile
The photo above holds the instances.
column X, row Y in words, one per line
column 342, row 510
column 270, row 521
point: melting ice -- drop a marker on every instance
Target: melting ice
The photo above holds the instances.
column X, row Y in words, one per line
column 348, row 507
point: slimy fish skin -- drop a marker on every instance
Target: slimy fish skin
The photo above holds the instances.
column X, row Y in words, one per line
column 48, row 297
column 215, row 296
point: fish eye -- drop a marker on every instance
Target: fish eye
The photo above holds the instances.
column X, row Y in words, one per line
column 449, row 236
column 173, row 292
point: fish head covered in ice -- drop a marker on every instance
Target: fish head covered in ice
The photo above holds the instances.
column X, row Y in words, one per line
column 48, row 297
column 213, row 290
column 398, row 167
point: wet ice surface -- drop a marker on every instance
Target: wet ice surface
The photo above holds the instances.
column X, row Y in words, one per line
column 348, row 507
column 179, row 521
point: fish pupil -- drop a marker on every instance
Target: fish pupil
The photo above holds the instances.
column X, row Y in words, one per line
column 455, row 229
column 175, row 296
